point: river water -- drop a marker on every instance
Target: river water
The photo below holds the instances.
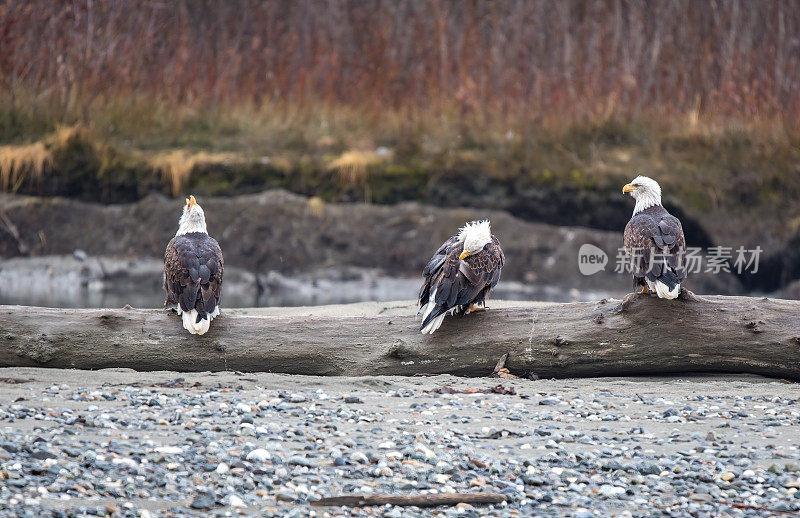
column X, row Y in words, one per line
column 69, row 282
column 334, row 292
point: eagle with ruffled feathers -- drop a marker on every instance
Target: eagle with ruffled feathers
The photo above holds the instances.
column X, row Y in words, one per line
column 193, row 271
column 460, row 275
column 654, row 242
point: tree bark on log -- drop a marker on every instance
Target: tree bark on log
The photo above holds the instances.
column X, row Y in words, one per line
column 640, row 335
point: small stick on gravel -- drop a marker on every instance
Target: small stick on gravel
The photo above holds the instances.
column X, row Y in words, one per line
column 500, row 370
column 411, row 500
column 757, row 508
column 14, row 381
column 500, row 364
column 12, row 229
column 741, row 506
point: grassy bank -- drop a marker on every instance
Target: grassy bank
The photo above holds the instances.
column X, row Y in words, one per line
column 349, row 155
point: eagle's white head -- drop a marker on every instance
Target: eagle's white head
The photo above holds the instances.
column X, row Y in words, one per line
column 475, row 235
column 193, row 218
column 645, row 191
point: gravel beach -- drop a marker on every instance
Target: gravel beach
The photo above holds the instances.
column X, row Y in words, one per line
column 167, row 443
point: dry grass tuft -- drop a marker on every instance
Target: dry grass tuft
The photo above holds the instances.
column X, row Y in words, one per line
column 176, row 166
column 65, row 136
column 316, row 206
column 16, row 162
column 352, row 167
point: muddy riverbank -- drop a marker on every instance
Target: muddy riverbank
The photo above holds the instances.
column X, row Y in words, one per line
column 284, row 240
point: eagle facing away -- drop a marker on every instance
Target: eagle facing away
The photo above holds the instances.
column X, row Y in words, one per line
column 460, row 275
column 654, row 242
column 193, row 267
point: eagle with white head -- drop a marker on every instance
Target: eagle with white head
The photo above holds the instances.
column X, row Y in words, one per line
column 193, row 271
column 654, row 241
column 460, row 275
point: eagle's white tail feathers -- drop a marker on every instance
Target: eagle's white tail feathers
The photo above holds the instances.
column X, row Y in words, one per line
column 663, row 291
column 430, row 306
column 191, row 324
column 189, row 318
column 201, row 328
column 433, row 325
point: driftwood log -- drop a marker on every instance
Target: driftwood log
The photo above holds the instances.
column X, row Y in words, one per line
column 637, row 336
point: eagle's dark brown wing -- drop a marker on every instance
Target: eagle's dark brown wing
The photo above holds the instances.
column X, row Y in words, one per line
column 193, row 266
column 459, row 283
column 434, row 266
column 656, row 247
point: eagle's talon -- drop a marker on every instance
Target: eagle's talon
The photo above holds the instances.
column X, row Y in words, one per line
column 645, row 291
column 474, row 308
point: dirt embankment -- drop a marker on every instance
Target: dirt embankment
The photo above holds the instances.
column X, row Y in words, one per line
column 287, row 233
column 595, row 203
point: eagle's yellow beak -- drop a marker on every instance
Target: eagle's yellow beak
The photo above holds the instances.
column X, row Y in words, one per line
column 463, row 255
column 628, row 188
column 191, row 201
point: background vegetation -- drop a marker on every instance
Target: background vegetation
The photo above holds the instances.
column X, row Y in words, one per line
column 535, row 61
column 400, row 99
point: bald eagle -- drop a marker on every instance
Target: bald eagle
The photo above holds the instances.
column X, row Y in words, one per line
column 654, row 242
column 193, row 271
column 460, row 275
